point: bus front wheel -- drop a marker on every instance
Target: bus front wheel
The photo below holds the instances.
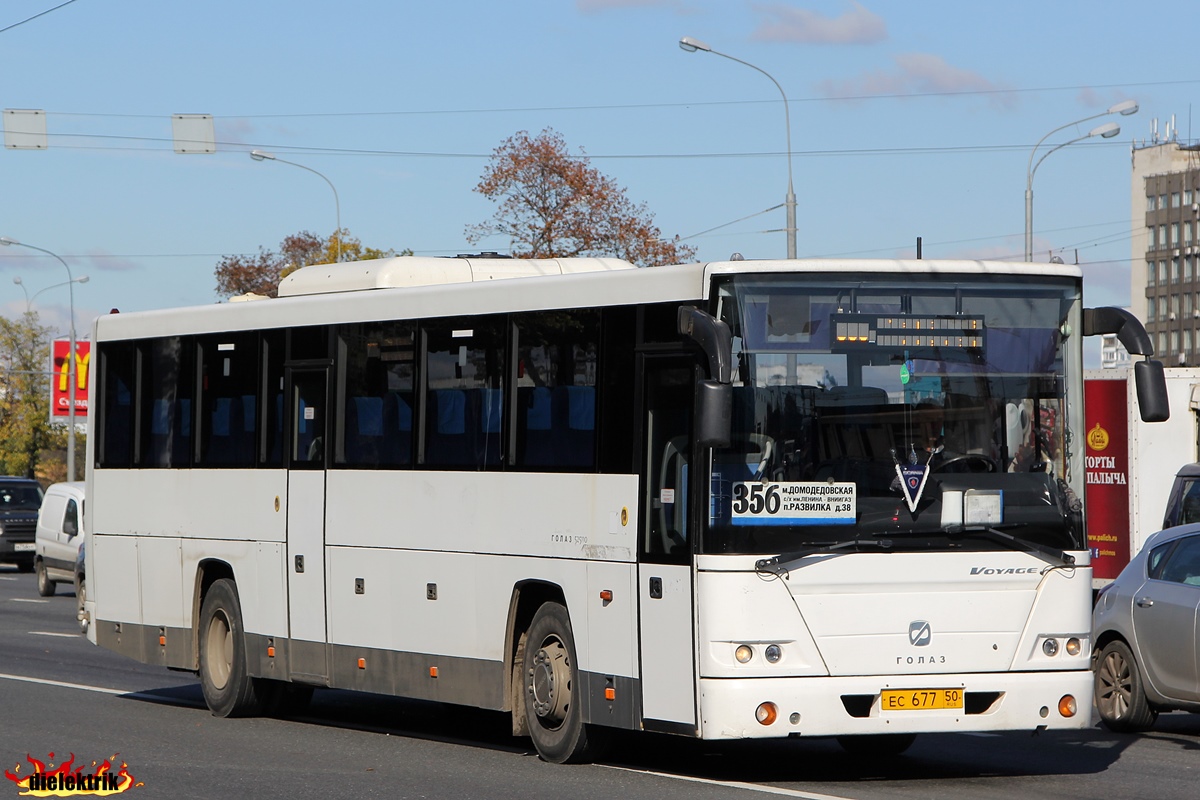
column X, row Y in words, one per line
column 229, row 691
column 553, row 711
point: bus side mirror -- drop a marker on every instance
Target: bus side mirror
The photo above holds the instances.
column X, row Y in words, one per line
column 1151, row 384
column 714, row 413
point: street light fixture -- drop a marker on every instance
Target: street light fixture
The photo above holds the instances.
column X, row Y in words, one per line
column 690, row 45
column 71, row 370
column 1106, row 131
column 30, row 298
column 260, row 155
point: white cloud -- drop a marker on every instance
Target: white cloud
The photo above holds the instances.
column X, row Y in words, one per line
column 788, row 24
column 916, row 73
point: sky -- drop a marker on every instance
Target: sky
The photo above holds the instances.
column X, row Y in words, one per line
column 907, row 119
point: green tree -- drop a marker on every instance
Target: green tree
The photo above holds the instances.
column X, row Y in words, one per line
column 556, row 205
column 29, row 444
column 261, row 273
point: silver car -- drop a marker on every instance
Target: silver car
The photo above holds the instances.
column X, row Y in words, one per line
column 1145, row 631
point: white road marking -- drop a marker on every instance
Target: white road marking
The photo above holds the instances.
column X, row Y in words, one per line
column 7, row 578
column 27, row 600
column 52, row 633
column 752, row 787
column 63, row 684
column 99, row 689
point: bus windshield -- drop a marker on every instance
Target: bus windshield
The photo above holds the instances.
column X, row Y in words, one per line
column 911, row 411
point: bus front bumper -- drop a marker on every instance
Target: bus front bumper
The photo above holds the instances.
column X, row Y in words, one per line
column 733, row 707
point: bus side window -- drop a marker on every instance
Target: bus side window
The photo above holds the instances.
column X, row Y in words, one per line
column 556, row 371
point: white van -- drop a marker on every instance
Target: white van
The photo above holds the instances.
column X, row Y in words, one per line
column 59, row 534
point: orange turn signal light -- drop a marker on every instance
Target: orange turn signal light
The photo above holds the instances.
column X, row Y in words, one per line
column 1067, row 706
column 766, row 713
column 362, row 663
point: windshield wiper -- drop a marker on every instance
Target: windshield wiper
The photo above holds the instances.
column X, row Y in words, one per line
column 1052, row 554
column 775, row 565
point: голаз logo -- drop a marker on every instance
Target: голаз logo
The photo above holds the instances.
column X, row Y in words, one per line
column 66, row 780
column 919, row 633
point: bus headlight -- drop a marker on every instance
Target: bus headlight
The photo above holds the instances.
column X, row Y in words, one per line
column 1050, row 647
column 1074, row 646
column 773, row 653
column 744, row 653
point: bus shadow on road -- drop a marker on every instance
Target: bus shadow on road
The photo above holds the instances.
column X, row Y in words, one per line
column 372, row 713
column 932, row 756
column 818, row 759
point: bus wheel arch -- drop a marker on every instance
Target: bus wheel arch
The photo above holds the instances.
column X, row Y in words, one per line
column 208, row 572
column 527, row 597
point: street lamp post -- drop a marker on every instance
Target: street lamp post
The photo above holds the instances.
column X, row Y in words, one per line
column 1106, row 131
column 71, row 369
column 690, row 45
column 260, row 155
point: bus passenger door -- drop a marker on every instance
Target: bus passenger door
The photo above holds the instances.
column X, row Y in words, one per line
column 307, row 438
column 665, row 562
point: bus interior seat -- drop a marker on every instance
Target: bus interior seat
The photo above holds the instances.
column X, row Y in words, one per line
column 576, row 439
column 170, row 433
column 538, row 434
column 225, row 430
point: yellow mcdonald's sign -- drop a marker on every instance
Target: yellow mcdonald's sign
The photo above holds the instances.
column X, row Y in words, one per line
column 81, row 370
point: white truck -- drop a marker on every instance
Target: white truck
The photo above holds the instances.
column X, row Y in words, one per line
column 1132, row 464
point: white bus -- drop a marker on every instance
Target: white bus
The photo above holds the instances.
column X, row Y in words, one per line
column 723, row 500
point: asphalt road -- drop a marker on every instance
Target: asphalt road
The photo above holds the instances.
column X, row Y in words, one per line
column 59, row 694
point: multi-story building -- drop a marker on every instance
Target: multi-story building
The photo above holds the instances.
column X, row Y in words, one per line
column 1113, row 354
column 1165, row 257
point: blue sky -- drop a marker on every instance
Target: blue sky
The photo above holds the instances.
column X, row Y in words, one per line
column 908, row 119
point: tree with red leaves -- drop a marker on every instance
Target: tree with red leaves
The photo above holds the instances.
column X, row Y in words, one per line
column 555, row 205
column 262, row 273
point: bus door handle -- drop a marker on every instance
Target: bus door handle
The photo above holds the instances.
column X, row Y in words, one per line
column 299, row 563
column 1144, row 602
column 656, row 588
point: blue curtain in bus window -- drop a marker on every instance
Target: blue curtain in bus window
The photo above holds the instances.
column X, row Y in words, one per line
column 577, row 437
column 397, row 430
column 451, row 412
column 447, row 444
column 118, row 422
column 538, row 438
column 225, row 428
column 364, row 430
column 247, row 442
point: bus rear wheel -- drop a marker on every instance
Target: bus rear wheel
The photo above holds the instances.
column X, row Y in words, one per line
column 229, row 691
column 553, row 711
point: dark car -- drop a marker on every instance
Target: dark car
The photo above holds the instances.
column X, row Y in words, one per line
column 1183, row 505
column 1144, row 629
column 20, row 499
